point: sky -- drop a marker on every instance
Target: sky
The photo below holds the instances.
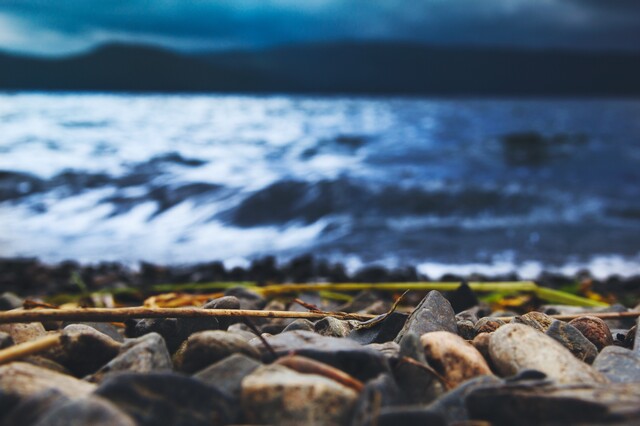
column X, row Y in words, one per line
column 46, row 27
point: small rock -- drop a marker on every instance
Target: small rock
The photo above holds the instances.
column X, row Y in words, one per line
column 227, row 374
column 433, row 313
column 247, row 298
column 153, row 399
column 537, row 320
column 411, row 347
column 5, row 340
column 225, row 302
column 329, row 326
column 516, row 347
column 481, row 343
column 300, row 324
column 242, row 330
column 620, row 365
column 24, row 332
column 488, row 325
column 10, row 301
column 208, row 347
column 453, row 358
column 142, row 355
column 381, row 332
column 23, row 380
column 377, row 393
column 466, row 329
column 418, row 382
column 474, row 313
column 572, row 339
column 173, row 330
column 594, row 329
column 86, row 349
column 28, row 411
column 277, row 395
column 90, row 411
column 388, row 349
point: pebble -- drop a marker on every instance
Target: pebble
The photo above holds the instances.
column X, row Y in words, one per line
column 330, row 326
column 225, row 302
column 572, row 339
column 377, row 393
column 300, row 324
column 227, row 374
column 455, row 359
column 204, row 348
column 466, row 329
column 247, row 298
column 636, row 339
column 630, row 338
column 103, row 327
column 23, row 332
column 411, row 347
column 388, row 349
column 434, row 313
column 516, row 347
column 620, row 365
column 537, row 320
column 28, row 411
column 419, row 384
column 594, row 329
column 154, row 399
column 90, row 411
column 86, row 349
column 23, row 380
column 173, row 330
column 381, row 332
column 277, row 395
column 488, row 325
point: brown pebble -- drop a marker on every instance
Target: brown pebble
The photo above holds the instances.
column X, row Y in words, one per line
column 537, row 320
column 594, row 329
column 488, row 325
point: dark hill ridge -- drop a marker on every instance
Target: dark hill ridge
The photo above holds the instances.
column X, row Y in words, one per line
column 373, row 68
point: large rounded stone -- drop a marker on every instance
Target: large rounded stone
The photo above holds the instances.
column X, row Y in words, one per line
column 276, row 395
column 517, row 347
column 208, row 347
column 537, row 320
column 594, row 329
column 453, row 357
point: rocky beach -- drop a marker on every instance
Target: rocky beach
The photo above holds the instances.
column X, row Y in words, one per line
column 436, row 358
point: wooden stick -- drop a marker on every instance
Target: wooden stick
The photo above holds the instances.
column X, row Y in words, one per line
column 601, row 315
column 25, row 349
column 121, row 314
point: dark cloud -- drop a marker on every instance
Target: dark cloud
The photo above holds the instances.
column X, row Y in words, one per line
column 44, row 25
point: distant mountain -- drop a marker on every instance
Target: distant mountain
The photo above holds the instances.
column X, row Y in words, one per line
column 372, row 68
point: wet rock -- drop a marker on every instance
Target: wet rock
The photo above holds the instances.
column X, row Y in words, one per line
column 300, row 324
column 23, row 332
column 411, row 347
column 419, row 384
column 572, row 339
column 208, row 347
column 28, row 411
column 167, row 399
column 594, row 329
column 142, row 355
column 5, row 340
column 452, row 406
column 620, row 365
column 453, row 358
column 225, row 302
column 10, row 301
column 466, row 329
column 377, row 393
column 247, row 298
column 506, row 404
column 488, row 325
column 23, row 380
column 329, row 326
column 275, row 394
column 537, row 320
column 90, row 411
column 516, row 347
column 433, row 313
column 344, row 354
column 227, row 374
column 86, row 349
column 388, row 349
column 381, row 332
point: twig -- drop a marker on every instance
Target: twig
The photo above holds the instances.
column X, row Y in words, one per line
column 122, row 314
column 601, row 315
column 25, row 349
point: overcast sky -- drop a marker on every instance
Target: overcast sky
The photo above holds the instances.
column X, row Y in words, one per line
column 55, row 27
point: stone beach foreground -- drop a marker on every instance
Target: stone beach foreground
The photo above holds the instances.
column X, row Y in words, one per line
column 433, row 366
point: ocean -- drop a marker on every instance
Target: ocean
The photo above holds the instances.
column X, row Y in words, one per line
column 450, row 186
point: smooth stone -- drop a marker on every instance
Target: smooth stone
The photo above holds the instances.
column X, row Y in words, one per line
column 173, row 330
column 329, row 326
column 90, row 411
column 247, row 298
column 24, row 332
column 103, row 327
column 5, row 340
column 377, row 393
column 453, row 358
column 23, row 380
column 474, row 313
column 418, row 383
column 28, row 411
column 517, row 347
column 360, row 362
column 225, row 302
column 10, row 301
column 537, row 320
column 488, row 325
column 594, row 329
column 153, row 399
column 208, row 347
column 227, row 374
column 300, row 324
column 388, row 349
column 86, row 349
column 433, row 313
column 620, row 365
column 411, row 347
column 481, row 343
column 277, row 395
column 142, row 355
column 572, row 339
column 552, row 404
column 466, row 329
column 381, row 332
